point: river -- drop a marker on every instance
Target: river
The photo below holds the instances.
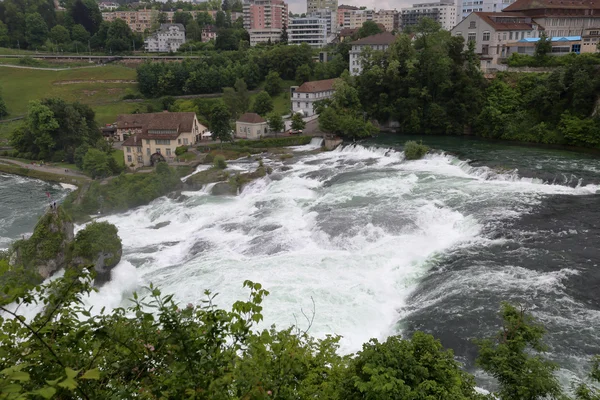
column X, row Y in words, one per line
column 381, row 245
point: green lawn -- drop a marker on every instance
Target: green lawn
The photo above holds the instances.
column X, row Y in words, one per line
column 118, row 156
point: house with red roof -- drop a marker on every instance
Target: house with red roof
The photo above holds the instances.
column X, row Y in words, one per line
column 303, row 98
column 251, row 126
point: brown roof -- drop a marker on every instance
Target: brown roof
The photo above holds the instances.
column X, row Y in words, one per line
column 348, row 31
column 380, row 38
column 316, row 86
column 494, row 19
column 345, row 7
column 178, row 121
column 132, row 141
column 525, row 5
column 251, row 118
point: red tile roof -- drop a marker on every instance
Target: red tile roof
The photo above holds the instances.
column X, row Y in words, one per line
column 381, row 38
column 316, row 86
column 251, row 118
column 178, row 122
column 525, row 5
column 501, row 21
column 132, row 141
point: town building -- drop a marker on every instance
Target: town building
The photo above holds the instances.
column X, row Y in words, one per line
column 108, row 6
column 443, row 12
column 309, row 30
column 251, row 126
column 381, row 41
column 352, row 17
column 304, row 97
column 346, row 33
column 560, row 46
column 154, row 137
column 314, row 5
column 343, row 14
column 209, row 33
column 330, row 17
column 590, row 40
column 264, row 20
column 466, row 7
column 167, row 39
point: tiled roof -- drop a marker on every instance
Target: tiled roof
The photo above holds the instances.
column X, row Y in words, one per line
column 251, row 118
column 525, row 5
column 380, row 38
column 132, row 141
column 316, row 86
column 178, row 121
column 348, row 31
column 494, row 19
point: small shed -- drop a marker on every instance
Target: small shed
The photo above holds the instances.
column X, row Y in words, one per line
column 251, row 126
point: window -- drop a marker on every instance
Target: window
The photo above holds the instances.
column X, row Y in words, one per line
column 129, row 149
column 158, row 150
column 140, row 159
column 185, row 141
column 510, row 36
column 485, row 49
column 178, row 141
column 147, row 141
column 472, row 25
column 159, row 141
column 504, row 36
column 472, row 37
column 486, row 36
column 168, row 151
column 307, row 95
column 148, row 150
column 128, row 159
column 298, row 104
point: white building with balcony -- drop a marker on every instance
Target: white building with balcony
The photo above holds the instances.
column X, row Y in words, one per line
column 312, row 31
column 168, row 38
column 380, row 42
column 304, row 97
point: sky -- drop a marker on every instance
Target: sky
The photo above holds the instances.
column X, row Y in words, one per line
column 299, row 6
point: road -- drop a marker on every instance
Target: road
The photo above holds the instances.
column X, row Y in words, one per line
column 45, row 168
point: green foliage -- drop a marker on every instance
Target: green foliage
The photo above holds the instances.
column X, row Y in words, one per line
column 36, row 29
column 85, row 13
column 79, row 33
column 273, row 83
column 219, row 123
column 275, row 122
column 237, row 99
column 97, row 238
column 96, row 163
column 303, row 74
column 181, row 150
column 514, row 358
column 263, row 103
column 369, row 28
column 298, row 123
column 3, row 108
column 219, row 162
column 414, row 150
column 60, row 34
column 543, row 47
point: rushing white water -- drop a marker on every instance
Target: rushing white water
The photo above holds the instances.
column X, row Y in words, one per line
column 354, row 229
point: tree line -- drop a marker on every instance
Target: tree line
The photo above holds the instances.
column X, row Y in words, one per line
column 157, row 348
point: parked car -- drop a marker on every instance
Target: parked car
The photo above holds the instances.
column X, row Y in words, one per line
column 294, row 132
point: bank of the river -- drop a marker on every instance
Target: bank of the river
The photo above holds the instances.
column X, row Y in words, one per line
column 46, row 173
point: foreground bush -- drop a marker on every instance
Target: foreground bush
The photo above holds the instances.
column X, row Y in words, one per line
column 219, row 162
column 414, row 150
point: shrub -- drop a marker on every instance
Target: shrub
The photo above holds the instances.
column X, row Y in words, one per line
column 30, row 62
column 219, row 162
column 131, row 94
column 414, row 150
column 181, row 150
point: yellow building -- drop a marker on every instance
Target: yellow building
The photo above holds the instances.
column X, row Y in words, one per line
column 154, row 137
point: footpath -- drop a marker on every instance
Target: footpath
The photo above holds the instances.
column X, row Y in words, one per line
column 45, row 172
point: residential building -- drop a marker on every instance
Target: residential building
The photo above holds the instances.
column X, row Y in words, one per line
column 590, row 40
column 312, row 31
column 351, row 17
column 347, row 33
column 443, row 12
column 168, row 38
column 251, row 126
column 304, row 97
column 465, row 7
column 330, row 17
column 385, row 18
column 154, row 137
column 492, row 32
column 343, row 14
column 209, row 33
column 314, row 5
column 108, row 6
column 381, row 41
column 264, row 20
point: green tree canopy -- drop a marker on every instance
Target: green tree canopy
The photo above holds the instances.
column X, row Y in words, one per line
column 369, row 28
column 275, row 122
column 86, row 13
column 263, row 103
column 219, row 123
column 36, row 30
column 3, row 108
column 298, row 123
column 78, row 33
column 303, row 74
column 59, row 34
column 273, row 83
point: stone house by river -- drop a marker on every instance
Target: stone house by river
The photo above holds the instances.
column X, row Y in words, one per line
column 153, row 137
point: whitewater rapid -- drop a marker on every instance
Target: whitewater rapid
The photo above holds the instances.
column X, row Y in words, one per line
column 355, row 229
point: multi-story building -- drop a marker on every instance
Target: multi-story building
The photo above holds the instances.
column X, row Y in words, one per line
column 385, row 18
column 154, row 137
column 309, row 30
column 168, row 38
column 443, row 12
column 108, row 6
column 354, row 18
column 343, row 14
column 314, row 5
column 304, row 97
column 330, row 17
column 381, row 42
column 264, row 20
column 465, row 7
column 590, row 40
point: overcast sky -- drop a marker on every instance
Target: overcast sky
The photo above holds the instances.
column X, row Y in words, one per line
column 299, row 6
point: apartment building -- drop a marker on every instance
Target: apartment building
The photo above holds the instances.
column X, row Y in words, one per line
column 330, row 17
column 381, row 42
column 167, row 39
column 264, row 20
column 314, row 5
column 304, row 97
column 465, row 7
column 351, row 17
column 590, row 40
column 343, row 14
column 309, row 30
column 443, row 12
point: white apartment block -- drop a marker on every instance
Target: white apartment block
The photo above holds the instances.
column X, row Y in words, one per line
column 314, row 5
column 466, row 7
column 312, row 31
column 330, row 17
column 356, row 18
column 264, row 35
column 304, row 97
column 380, row 42
column 443, row 12
column 168, row 38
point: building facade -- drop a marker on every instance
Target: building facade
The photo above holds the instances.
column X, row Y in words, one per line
column 264, row 20
column 251, row 126
column 381, row 42
column 443, row 12
column 314, row 5
column 466, row 7
column 304, row 97
column 154, row 137
column 312, row 31
column 167, row 39
column 352, row 17
column 590, row 40
column 209, row 33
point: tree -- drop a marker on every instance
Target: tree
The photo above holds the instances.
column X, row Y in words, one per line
column 226, row 6
column 416, row 368
column 275, row 122
column 86, row 13
column 263, row 104
column 79, row 34
column 3, row 108
column 273, row 83
column 4, row 37
column 182, row 17
column 59, row 34
column 514, row 358
column 221, row 20
column 36, row 30
column 303, row 74
column 369, row 28
column 237, row 99
column 284, row 35
column 193, row 32
column 219, row 123
column 95, row 163
column 298, row 123
column 543, row 47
